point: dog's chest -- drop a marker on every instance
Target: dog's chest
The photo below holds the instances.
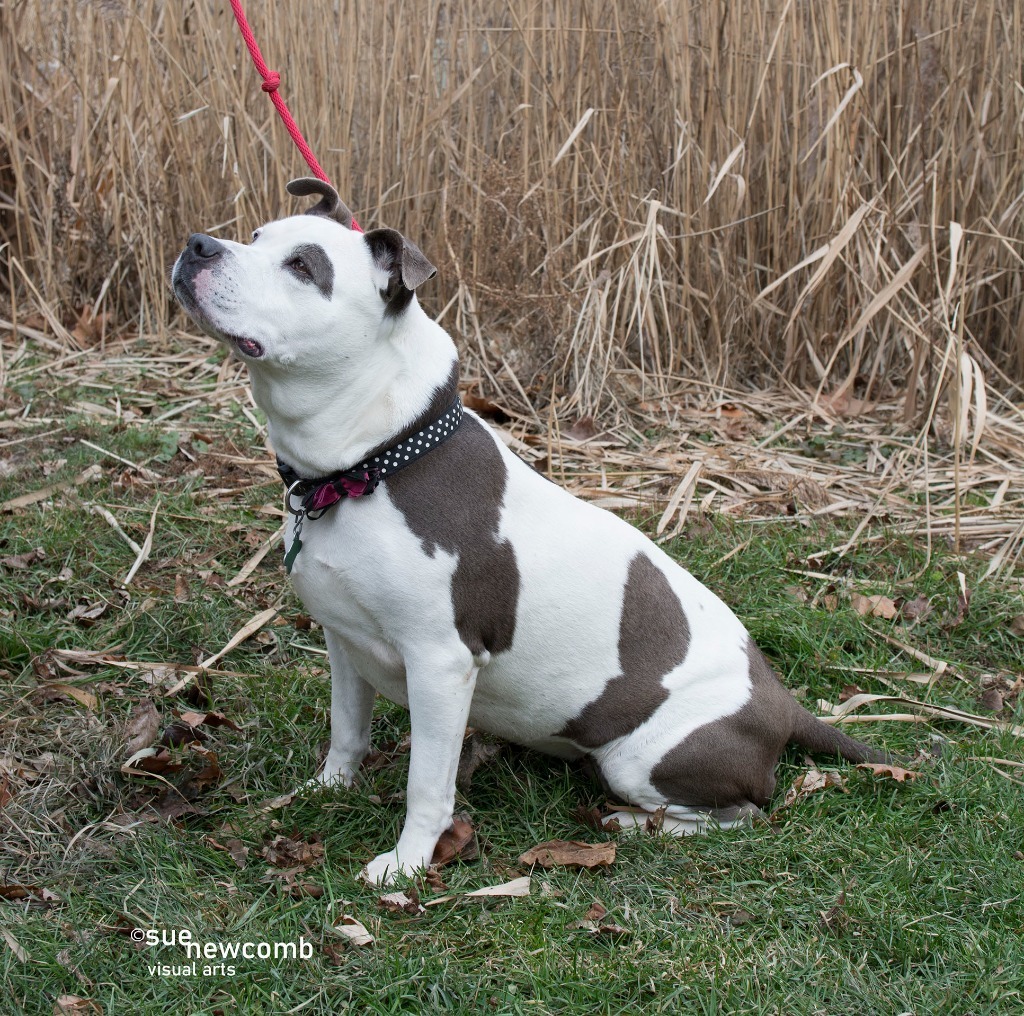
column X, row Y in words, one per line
column 364, row 575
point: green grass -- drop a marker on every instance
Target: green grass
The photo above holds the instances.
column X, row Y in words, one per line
column 930, row 872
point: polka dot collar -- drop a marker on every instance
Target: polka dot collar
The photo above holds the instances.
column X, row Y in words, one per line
column 309, row 499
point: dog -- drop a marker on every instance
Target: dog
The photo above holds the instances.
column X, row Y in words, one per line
column 451, row 577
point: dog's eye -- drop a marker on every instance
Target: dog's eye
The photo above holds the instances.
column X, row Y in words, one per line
column 256, row 234
column 298, row 265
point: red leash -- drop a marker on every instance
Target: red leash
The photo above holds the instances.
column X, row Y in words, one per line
column 271, row 81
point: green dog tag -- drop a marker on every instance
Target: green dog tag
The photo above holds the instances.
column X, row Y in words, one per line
column 293, row 553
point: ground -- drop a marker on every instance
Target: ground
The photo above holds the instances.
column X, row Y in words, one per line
column 846, row 558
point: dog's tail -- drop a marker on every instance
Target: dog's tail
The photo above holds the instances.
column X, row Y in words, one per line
column 822, row 738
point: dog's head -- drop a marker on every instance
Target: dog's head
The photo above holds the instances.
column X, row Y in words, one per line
column 308, row 287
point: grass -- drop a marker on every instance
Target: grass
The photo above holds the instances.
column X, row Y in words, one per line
column 889, row 898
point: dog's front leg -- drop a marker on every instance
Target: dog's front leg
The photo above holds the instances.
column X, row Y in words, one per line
column 439, row 698
column 351, row 710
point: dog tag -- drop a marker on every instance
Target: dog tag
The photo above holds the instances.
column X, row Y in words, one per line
column 293, row 553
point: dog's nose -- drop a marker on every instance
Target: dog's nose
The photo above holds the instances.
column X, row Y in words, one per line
column 203, row 246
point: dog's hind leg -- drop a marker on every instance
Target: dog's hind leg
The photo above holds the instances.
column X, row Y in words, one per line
column 351, row 710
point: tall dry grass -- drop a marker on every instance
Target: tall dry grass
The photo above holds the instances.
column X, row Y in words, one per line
column 825, row 194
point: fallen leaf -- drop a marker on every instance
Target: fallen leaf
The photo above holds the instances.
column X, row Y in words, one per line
column 809, row 783
column 233, row 847
column 611, row 930
column 286, row 852
column 582, row 430
column 458, row 840
column 36, row 895
column 849, row 690
column 180, row 589
column 595, row 911
column 351, row 931
column 485, row 407
column 517, row 887
column 875, row 606
column 278, row 802
column 1017, row 625
column 90, row 327
column 477, row 750
column 151, row 761
column 992, row 700
column 916, row 609
column 178, row 733
column 402, row 902
column 655, row 821
column 590, row 817
column 75, row 1005
column 88, row 614
column 22, row 562
column 14, row 945
column 896, row 773
column 143, row 726
column 570, row 854
column 80, row 695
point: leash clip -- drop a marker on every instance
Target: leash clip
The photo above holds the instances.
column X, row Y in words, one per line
column 300, row 515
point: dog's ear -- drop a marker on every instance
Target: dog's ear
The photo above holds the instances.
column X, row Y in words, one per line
column 330, row 205
column 402, row 262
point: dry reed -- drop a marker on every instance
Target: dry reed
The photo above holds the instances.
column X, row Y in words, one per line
column 618, row 194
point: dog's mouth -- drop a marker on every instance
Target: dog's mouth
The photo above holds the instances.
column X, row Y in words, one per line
column 247, row 347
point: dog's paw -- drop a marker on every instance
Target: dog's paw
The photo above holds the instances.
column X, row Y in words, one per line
column 335, row 773
column 385, row 868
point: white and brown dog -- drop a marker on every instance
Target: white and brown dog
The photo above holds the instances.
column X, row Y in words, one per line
column 466, row 586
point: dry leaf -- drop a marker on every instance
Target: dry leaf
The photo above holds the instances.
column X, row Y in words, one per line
column 351, row 931
column 916, row 609
column 278, row 802
column 811, row 782
column 582, row 430
column 875, row 606
column 233, row 847
column 570, row 854
column 80, row 695
column 143, row 725
column 1017, row 624
column 517, row 887
column 75, row 1005
column 595, row 911
column 992, row 700
column 477, row 750
column 896, row 773
column 294, row 854
column 21, row 562
column 14, row 945
column 610, row 930
column 150, row 761
column 458, row 840
column 209, row 719
column 88, row 614
column 402, row 902
column 37, row 896
column 590, row 817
